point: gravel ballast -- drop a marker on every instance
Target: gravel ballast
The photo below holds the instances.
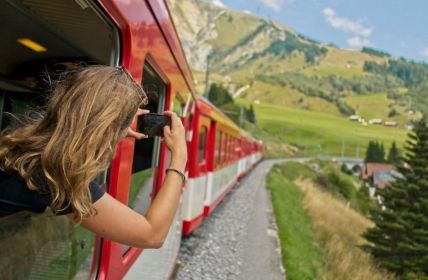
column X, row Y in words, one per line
column 239, row 240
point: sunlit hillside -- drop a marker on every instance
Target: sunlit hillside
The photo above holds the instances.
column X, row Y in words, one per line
column 266, row 62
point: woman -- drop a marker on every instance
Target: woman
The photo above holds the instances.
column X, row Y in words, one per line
column 51, row 161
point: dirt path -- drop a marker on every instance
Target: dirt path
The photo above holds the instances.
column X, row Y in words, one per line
column 239, row 240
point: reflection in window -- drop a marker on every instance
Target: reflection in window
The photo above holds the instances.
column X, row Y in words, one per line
column 45, row 246
column 201, row 147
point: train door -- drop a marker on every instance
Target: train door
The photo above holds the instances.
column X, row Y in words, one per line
column 202, row 159
column 195, row 190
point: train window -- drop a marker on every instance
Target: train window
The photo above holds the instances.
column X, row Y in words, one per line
column 43, row 246
column 146, row 151
column 217, row 148
column 229, row 141
column 202, row 143
column 223, row 148
column 232, row 148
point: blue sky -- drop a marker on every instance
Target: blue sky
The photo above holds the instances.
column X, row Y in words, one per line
column 398, row 27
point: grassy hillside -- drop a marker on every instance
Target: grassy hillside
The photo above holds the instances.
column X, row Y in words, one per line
column 378, row 105
column 317, row 85
column 307, row 129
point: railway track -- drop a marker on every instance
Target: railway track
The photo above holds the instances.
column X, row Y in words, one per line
column 239, row 240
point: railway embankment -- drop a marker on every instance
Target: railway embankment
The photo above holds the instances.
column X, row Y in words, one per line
column 239, row 240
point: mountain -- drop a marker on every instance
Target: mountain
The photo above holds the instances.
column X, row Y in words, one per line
column 268, row 62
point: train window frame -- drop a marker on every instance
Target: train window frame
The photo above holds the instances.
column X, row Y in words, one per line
column 148, row 173
column 203, row 152
column 223, row 151
column 90, row 265
column 217, row 148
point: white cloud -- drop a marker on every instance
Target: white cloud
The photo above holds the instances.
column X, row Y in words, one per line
column 360, row 32
column 358, row 42
column 273, row 4
column 347, row 25
column 248, row 12
column 219, row 3
column 424, row 52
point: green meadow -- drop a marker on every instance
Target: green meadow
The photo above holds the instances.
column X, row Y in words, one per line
column 317, row 133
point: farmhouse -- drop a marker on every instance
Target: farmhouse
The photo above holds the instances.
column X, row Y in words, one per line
column 378, row 175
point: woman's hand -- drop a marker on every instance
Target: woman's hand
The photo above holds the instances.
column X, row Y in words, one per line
column 175, row 140
column 133, row 133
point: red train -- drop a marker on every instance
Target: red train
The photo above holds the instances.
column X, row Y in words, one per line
column 40, row 35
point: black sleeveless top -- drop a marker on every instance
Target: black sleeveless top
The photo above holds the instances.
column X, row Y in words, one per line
column 15, row 196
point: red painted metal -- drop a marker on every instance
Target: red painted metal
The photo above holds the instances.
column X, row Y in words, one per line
column 148, row 34
column 190, row 226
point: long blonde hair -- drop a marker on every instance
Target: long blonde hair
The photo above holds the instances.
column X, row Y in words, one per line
column 75, row 138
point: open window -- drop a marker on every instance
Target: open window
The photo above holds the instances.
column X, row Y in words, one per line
column 147, row 151
column 40, row 37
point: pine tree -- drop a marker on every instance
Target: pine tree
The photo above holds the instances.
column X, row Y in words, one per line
column 394, row 154
column 369, row 153
column 399, row 240
column 381, row 156
column 219, row 95
column 375, row 152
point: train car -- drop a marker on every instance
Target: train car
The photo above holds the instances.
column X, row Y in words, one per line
column 41, row 36
column 220, row 153
column 212, row 163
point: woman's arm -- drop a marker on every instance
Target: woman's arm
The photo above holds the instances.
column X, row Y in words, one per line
column 119, row 223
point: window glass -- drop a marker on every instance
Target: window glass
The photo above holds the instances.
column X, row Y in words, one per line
column 146, row 151
column 202, row 142
column 223, row 148
column 229, row 141
column 217, row 148
column 44, row 246
column 233, row 148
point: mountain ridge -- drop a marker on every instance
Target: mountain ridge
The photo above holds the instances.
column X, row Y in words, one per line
column 278, row 65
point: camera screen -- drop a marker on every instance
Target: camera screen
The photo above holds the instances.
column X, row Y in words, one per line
column 152, row 124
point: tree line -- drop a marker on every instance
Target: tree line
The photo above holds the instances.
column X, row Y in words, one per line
column 375, row 153
column 220, row 97
column 411, row 74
